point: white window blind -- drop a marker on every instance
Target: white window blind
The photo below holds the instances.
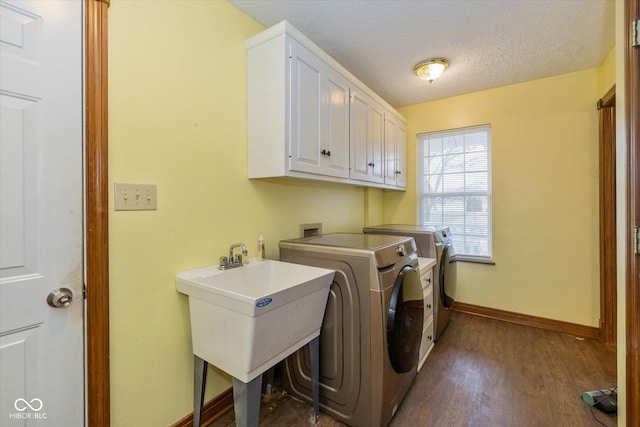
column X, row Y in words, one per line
column 454, row 187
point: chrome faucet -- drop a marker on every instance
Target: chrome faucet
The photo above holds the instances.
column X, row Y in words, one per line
column 231, row 262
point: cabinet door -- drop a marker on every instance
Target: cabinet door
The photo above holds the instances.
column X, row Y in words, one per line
column 359, row 128
column 319, row 116
column 390, row 136
column 305, row 110
column 401, row 156
column 336, row 143
column 395, row 146
column 376, row 144
column 367, row 138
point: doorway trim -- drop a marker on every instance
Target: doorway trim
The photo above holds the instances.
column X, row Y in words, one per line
column 97, row 214
column 608, row 256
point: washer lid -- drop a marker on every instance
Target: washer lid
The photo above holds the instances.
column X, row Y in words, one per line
column 416, row 228
column 367, row 242
column 387, row 250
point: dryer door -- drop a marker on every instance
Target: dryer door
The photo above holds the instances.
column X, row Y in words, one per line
column 405, row 320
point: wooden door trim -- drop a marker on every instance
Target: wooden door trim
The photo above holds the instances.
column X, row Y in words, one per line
column 608, row 241
column 632, row 80
column 97, row 214
column 609, row 99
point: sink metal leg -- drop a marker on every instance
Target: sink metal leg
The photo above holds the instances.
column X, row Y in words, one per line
column 246, row 398
column 200, row 367
column 269, row 380
column 314, row 350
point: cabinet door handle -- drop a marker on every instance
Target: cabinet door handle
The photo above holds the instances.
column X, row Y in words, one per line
column 371, row 164
column 326, row 153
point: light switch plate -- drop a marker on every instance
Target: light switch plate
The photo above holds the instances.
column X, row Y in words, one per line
column 136, row 197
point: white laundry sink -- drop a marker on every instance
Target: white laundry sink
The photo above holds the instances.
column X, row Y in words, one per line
column 247, row 319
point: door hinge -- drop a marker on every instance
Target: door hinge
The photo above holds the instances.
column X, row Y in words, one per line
column 636, row 239
column 635, row 33
column 84, row 291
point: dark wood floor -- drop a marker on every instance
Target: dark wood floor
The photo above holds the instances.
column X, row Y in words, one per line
column 484, row 372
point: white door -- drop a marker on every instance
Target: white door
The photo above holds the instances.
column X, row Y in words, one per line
column 41, row 240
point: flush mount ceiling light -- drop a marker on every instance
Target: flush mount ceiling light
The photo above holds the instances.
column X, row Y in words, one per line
column 431, row 69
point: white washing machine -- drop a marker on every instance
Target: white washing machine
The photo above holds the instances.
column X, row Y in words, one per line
column 431, row 243
column 372, row 328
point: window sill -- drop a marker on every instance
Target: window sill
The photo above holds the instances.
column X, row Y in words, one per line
column 475, row 260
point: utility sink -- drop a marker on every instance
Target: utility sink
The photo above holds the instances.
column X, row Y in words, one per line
column 247, row 319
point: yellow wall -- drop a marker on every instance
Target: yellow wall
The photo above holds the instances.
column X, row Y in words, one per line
column 177, row 118
column 545, row 194
column 607, row 73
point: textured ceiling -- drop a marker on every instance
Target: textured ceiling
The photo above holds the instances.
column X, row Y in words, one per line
column 489, row 43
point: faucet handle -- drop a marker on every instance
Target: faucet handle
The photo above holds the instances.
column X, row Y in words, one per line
column 238, row 259
column 223, row 260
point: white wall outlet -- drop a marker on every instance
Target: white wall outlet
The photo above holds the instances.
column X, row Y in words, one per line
column 136, row 197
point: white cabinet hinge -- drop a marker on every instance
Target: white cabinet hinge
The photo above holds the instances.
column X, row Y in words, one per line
column 635, row 33
column 636, row 239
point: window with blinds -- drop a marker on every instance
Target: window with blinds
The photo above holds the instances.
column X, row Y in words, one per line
column 454, row 187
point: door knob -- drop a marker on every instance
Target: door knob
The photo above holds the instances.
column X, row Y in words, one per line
column 60, row 298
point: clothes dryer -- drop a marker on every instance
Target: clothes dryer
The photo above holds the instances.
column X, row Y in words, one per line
column 371, row 333
column 431, row 243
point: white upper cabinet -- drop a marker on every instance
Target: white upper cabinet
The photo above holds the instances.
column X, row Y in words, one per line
column 395, row 142
column 310, row 118
column 319, row 116
column 401, row 156
column 367, row 138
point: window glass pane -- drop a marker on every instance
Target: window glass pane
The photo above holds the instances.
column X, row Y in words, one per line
column 435, row 147
column 433, row 211
column 453, row 144
column 453, row 211
column 453, row 163
column 477, row 181
column 476, row 161
column 475, row 245
column 458, row 242
column 476, row 141
column 453, row 183
column 434, row 184
column 435, row 164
